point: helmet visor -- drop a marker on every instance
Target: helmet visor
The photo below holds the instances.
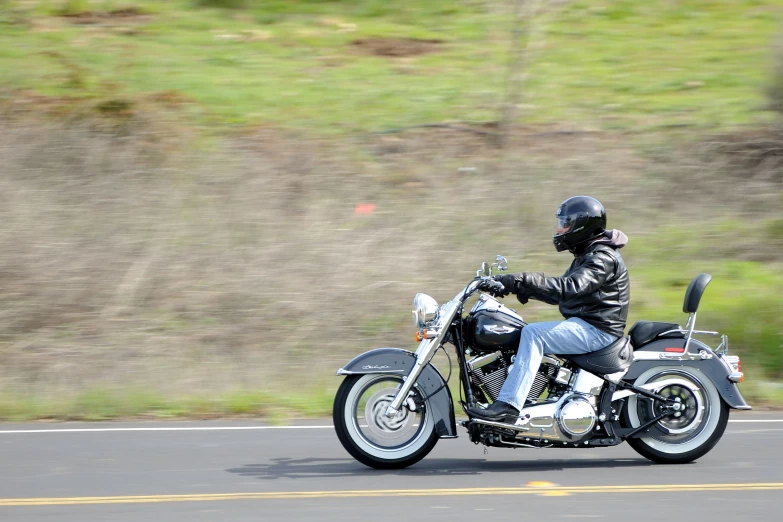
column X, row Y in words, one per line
column 563, row 225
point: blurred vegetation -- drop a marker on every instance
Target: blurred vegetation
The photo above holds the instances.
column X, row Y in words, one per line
column 105, row 404
column 301, row 64
column 775, row 88
column 206, row 201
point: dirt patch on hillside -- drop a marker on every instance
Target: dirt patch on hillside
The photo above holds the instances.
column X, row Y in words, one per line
column 161, row 105
column 754, row 154
column 483, row 138
column 396, row 47
column 128, row 15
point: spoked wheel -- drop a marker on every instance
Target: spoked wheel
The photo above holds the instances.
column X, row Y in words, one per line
column 369, row 435
column 692, row 431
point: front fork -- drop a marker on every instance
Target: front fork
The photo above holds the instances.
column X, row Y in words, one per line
column 424, row 354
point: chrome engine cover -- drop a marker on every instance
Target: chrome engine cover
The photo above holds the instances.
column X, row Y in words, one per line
column 569, row 420
column 576, row 416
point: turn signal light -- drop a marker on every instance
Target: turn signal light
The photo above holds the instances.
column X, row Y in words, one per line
column 426, row 334
column 420, row 336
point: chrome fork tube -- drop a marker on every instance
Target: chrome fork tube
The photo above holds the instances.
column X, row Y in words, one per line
column 424, row 353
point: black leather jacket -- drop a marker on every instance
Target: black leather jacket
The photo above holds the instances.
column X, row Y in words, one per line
column 595, row 288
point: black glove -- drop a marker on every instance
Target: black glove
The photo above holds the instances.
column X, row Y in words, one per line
column 492, row 287
column 522, row 295
column 509, row 282
column 485, row 284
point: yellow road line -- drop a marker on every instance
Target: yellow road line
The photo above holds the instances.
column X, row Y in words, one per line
column 544, row 491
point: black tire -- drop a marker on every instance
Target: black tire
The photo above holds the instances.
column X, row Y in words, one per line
column 364, row 450
column 661, row 448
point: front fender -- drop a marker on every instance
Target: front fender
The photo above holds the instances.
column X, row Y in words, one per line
column 714, row 368
column 431, row 383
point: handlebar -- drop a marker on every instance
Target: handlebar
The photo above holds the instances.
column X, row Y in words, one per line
column 483, row 283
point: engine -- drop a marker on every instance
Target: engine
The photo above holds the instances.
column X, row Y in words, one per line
column 489, row 372
column 563, row 409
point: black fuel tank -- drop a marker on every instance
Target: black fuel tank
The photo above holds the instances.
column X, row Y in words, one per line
column 489, row 330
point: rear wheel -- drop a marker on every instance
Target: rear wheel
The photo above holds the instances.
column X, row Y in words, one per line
column 369, row 435
column 693, row 431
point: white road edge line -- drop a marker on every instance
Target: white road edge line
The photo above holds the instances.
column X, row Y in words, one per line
column 757, row 420
column 238, row 428
column 173, row 428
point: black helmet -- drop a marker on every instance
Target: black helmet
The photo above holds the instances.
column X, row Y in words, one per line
column 578, row 219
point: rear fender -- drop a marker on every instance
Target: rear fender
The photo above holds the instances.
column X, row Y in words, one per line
column 431, row 383
column 654, row 354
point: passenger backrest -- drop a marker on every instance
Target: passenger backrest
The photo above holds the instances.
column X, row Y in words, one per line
column 694, row 292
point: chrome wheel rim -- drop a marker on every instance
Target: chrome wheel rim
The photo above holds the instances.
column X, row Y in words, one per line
column 375, row 428
column 692, row 417
column 688, row 417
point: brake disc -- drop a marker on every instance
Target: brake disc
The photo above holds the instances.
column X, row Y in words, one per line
column 388, row 428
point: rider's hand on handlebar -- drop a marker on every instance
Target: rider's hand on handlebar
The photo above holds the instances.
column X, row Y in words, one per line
column 494, row 288
column 498, row 286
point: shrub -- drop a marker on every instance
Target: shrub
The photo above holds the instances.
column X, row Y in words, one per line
column 775, row 88
column 74, row 7
column 775, row 231
column 225, row 4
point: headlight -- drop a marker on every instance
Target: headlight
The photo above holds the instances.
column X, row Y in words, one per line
column 425, row 308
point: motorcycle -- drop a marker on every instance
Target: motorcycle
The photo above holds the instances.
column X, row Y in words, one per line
column 663, row 391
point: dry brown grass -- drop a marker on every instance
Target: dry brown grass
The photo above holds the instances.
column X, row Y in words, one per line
column 132, row 258
column 756, row 155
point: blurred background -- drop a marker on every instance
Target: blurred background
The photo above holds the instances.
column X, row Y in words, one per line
column 204, row 202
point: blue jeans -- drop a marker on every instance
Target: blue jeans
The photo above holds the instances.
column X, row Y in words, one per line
column 570, row 337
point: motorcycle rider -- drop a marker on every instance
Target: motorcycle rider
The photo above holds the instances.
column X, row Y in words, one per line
column 593, row 296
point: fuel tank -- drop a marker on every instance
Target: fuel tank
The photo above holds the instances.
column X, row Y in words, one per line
column 491, row 326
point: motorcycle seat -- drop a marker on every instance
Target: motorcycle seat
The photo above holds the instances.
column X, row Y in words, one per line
column 611, row 359
column 645, row 331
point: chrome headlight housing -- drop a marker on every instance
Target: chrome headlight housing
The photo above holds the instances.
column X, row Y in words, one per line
column 425, row 308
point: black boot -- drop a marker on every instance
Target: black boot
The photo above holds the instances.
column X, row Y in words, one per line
column 498, row 412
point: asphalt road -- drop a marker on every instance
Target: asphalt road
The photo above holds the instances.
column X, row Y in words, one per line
column 172, row 472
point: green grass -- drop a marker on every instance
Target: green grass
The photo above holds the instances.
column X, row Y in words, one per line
column 612, row 64
column 106, row 404
column 760, row 393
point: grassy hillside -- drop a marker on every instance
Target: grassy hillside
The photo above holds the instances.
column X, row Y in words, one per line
column 196, row 207
column 319, row 64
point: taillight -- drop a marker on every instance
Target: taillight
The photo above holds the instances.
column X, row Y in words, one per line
column 734, row 362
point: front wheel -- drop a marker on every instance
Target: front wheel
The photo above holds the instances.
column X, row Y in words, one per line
column 369, row 435
column 691, row 434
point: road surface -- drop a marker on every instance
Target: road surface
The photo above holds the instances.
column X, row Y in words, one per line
column 232, row 470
